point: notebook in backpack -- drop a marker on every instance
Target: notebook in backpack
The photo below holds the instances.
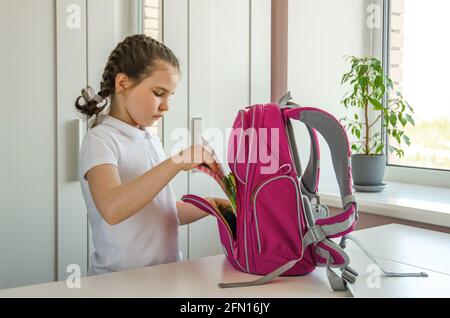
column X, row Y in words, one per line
column 278, row 226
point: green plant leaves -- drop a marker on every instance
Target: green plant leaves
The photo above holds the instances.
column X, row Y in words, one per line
column 362, row 70
column 370, row 87
column 389, row 84
column 406, row 139
column 379, row 81
column 393, row 119
column 410, row 119
column 363, row 82
column 376, row 65
column 376, row 104
column 379, row 149
column 402, row 120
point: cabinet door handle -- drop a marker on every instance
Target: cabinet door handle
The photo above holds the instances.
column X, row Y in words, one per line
column 81, row 125
column 197, row 131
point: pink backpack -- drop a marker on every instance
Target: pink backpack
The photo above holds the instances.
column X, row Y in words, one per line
column 281, row 227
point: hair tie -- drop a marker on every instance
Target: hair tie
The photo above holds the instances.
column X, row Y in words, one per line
column 98, row 99
column 89, row 95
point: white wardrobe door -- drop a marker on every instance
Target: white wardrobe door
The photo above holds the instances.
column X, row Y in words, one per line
column 71, row 78
column 229, row 69
column 175, row 133
column 203, row 234
column 82, row 52
column 27, row 142
column 224, row 50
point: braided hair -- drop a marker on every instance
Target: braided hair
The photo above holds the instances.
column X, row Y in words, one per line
column 135, row 57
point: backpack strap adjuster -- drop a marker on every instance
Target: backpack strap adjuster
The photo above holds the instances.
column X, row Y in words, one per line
column 317, row 233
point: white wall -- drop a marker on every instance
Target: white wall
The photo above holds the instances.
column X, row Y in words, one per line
column 27, row 142
column 321, row 33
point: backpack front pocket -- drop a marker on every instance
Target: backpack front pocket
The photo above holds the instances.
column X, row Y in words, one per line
column 227, row 228
column 276, row 214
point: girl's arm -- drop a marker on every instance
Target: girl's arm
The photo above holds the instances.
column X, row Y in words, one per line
column 116, row 201
column 188, row 213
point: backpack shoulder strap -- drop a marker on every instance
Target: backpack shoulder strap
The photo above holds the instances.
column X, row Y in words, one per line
column 336, row 138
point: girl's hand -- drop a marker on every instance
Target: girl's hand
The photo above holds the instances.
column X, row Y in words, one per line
column 219, row 203
column 194, row 156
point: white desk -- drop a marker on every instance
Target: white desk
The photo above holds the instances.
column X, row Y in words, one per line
column 196, row 278
column 199, row 278
column 409, row 245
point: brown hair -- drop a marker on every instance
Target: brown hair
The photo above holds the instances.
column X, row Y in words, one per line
column 135, row 57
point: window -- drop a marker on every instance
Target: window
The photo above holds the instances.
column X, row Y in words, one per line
column 151, row 13
column 418, row 64
column 152, row 18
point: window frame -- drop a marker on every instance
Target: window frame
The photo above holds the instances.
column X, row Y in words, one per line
column 395, row 172
column 159, row 126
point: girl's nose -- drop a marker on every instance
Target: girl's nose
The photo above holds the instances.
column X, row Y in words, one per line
column 164, row 106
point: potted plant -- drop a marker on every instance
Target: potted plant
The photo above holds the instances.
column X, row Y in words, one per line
column 372, row 95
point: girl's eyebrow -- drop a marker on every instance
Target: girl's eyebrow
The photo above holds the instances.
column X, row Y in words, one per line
column 165, row 90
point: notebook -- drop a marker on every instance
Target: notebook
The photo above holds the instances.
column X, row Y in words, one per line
column 227, row 183
column 215, row 170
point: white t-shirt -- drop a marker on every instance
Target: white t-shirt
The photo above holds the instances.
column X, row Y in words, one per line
column 150, row 236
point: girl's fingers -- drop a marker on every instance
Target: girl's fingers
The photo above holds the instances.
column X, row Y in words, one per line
column 208, row 158
column 222, row 202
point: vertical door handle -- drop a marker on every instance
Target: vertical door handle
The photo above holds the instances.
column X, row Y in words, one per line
column 197, row 131
column 81, row 129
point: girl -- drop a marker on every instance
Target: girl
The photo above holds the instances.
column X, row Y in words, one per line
column 124, row 173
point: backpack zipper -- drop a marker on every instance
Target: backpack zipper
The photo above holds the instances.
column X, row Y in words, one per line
column 239, row 147
column 258, row 111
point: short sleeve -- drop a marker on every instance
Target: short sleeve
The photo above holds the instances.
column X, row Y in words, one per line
column 96, row 150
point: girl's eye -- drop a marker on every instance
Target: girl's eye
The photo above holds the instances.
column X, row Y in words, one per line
column 159, row 95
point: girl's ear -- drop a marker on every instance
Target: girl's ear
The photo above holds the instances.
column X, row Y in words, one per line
column 122, row 83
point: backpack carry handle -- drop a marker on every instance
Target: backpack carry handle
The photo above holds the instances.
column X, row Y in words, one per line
column 310, row 178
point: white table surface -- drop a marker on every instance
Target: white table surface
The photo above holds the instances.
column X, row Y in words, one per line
column 409, row 245
column 196, row 278
column 199, row 278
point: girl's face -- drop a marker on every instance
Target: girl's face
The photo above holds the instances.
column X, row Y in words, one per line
column 147, row 102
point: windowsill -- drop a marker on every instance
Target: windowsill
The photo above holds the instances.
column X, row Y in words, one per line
column 405, row 201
